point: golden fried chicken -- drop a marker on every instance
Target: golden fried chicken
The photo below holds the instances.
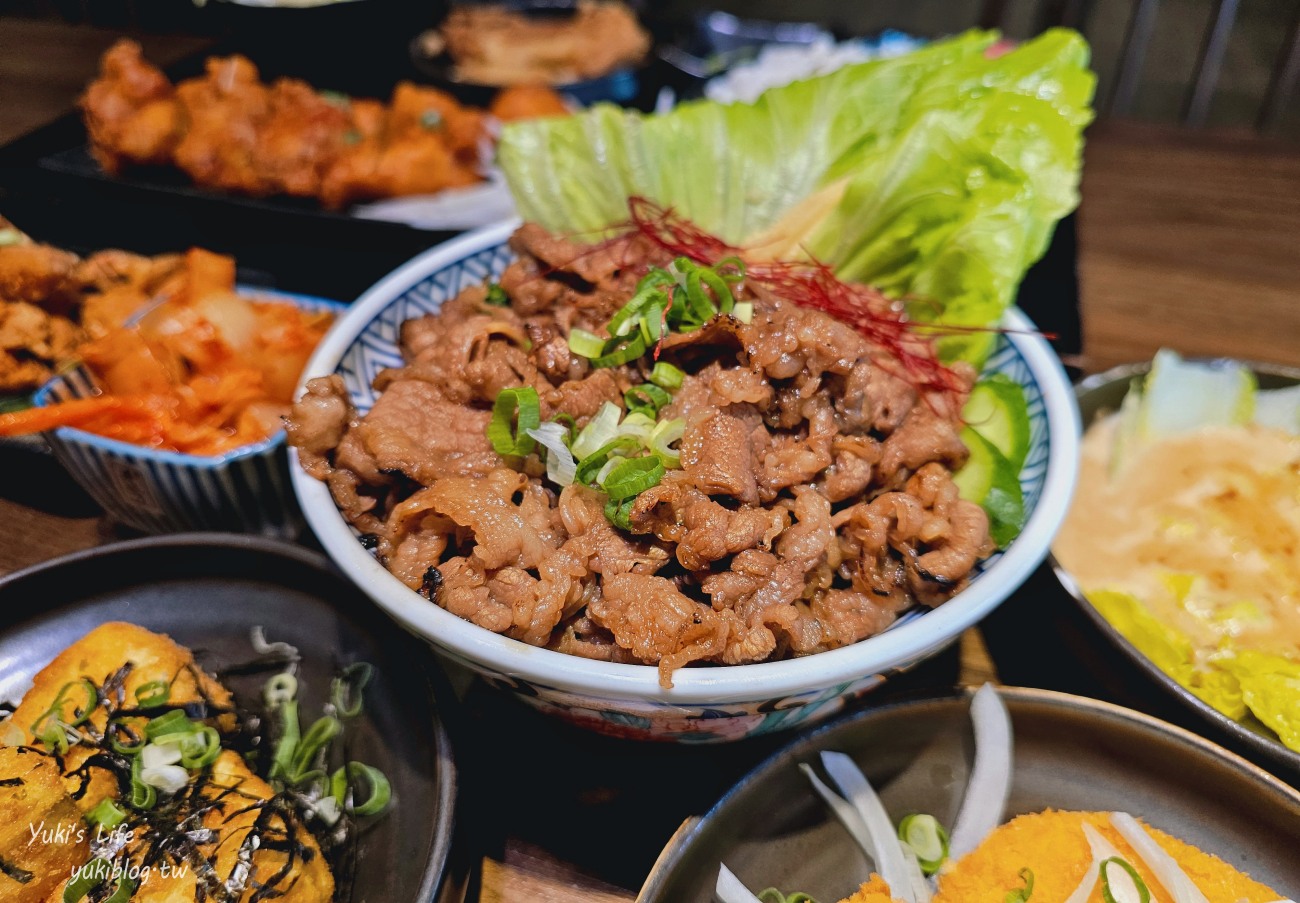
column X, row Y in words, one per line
column 33, row 273
column 527, row 102
column 229, row 131
column 254, row 835
column 493, row 45
column 303, row 134
column 224, row 114
column 131, row 111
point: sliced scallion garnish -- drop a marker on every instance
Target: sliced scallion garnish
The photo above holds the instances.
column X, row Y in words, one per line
column 201, row 748
column 646, row 397
column 620, row 351
column 380, row 792
column 586, row 344
column 1022, row 894
column 152, row 694
column 619, row 513
column 143, row 796
column 346, row 689
column 116, row 728
column 496, row 295
column 632, row 477
column 666, row 376
column 174, row 722
column 600, row 430
column 772, row 895
column 589, row 467
column 287, row 745
column 661, row 441
column 1127, row 889
column 515, row 412
column 106, row 814
column 280, row 689
column 928, row 840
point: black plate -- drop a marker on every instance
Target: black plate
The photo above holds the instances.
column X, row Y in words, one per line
column 207, row 591
column 1104, row 392
column 1070, row 753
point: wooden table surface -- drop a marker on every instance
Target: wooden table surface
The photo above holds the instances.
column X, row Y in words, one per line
column 1186, row 240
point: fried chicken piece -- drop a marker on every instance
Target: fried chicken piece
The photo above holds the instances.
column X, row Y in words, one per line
column 33, row 273
column 42, row 836
column 527, row 102
column 225, row 111
column 301, row 138
column 492, row 45
column 131, row 111
column 112, row 285
column 32, row 343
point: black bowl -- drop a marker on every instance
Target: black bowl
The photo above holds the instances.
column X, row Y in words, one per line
column 1074, row 753
column 207, row 591
column 1104, row 392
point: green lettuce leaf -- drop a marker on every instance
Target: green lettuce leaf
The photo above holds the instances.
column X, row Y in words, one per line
column 937, row 176
column 1270, row 686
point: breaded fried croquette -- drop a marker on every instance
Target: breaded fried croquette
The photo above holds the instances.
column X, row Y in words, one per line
column 1052, row 845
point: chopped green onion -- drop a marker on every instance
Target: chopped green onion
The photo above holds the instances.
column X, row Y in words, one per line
column 496, row 295
column 662, row 439
column 351, row 136
column 772, row 895
column 174, row 722
column 116, row 726
column 928, row 840
column 666, row 376
column 585, row 344
column 744, row 311
column 201, row 748
column 280, row 689
column 90, row 876
column 589, row 467
column 143, row 796
column 507, row 438
column 646, row 397
column 79, row 713
column 614, row 461
column 620, row 351
column 619, row 513
column 380, row 790
column 565, row 420
column 431, row 119
column 316, row 739
column 106, row 814
column 1021, row 894
column 1109, row 894
column 631, row 477
column 649, row 293
column 732, row 269
column 346, row 689
column 287, row 745
column 600, row 430
column 152, row 694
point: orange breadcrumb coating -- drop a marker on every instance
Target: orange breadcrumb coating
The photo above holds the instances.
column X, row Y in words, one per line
column 1053, row 846
column 874, row 891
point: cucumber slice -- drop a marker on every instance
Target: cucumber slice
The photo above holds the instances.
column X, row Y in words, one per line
column 990, row 480
column 1279, row 408
column 998, row 411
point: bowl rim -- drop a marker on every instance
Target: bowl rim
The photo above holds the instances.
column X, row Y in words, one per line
column 74, row 436
column 1261, row 743
column 692, row 686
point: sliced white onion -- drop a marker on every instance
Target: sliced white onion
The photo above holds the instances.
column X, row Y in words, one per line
column 922, row 889
column 1164, row 866
column 864, row 816
column 990, row 781
column 167, row 778
column 1102, row 849
column 729, row 888
column 262, row 647
column 156, row 755
column 560, row 465
column 600, row 430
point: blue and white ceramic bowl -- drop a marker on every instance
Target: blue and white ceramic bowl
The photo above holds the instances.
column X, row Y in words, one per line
column 243, row 491
column 706, row 704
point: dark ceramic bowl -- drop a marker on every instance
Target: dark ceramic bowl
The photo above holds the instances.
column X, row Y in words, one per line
column 207, row 591
column 772, row 830
column 1101, row 393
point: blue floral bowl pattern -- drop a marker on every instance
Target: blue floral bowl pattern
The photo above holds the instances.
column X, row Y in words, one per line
column 243, row 491
column 707, row 704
